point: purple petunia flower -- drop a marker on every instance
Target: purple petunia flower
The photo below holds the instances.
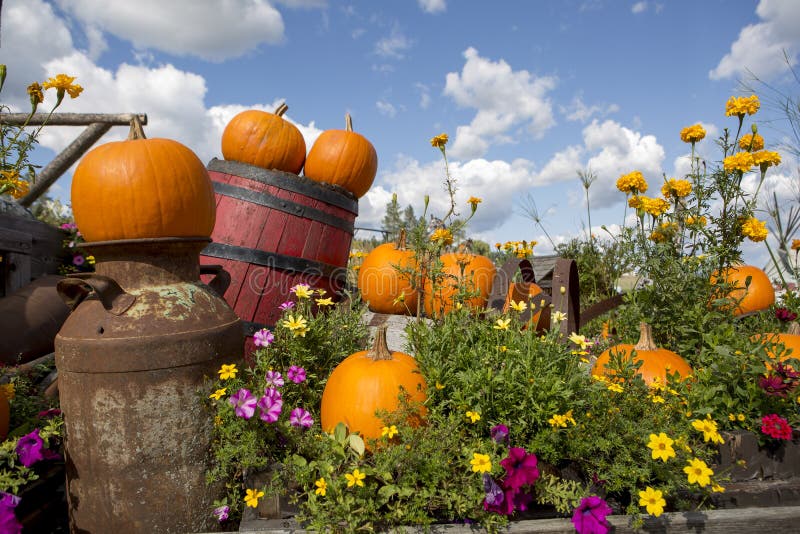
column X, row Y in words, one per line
column 499, row 433
column 494, row 493
column 29, row 448
column 274, row 379
column 270, row 405
column 244, row 403
column 773, row 385
column 8, row 521
column 68, row 226
column 263, row 338
column 784, row 314
column 288, row 305
column 221, row 513
column 296, row 374
column 590, row 516
column 520, row 468
column 52, row 412
column 300, row 417
column 78, row 260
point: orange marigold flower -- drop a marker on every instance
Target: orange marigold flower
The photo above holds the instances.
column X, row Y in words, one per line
column 442, row 236
column 676, row 188
column 741, row 161
column 795, row 244
column 632, row 182
column 766, row 158
column 692, row 134
column 654, row 206
column 35, row 92
column 439, row 141
column 741, row 105
column 754, row 229
column 751, row 142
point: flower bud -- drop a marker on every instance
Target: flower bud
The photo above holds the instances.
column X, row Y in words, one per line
column 754, row 128
column 3, row 70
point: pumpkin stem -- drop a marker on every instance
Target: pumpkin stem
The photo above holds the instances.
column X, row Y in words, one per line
column 136, row 131
column 280, row 110
column 645, row 338
column 380, row 349
column 794, row 328
column 348, row 122
column 401, row 240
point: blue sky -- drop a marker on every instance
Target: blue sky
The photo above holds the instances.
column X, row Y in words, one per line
column 528, row 91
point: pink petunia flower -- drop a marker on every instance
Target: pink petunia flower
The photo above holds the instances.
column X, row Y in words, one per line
column 301, row 418
column 296, row 374
column 244, row 403
column 270, row 405
column 263, row 338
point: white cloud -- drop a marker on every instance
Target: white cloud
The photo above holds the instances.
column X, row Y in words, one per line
column 393, row 46
column 432, row 6
column 386, row 108
column 760, row 47
column 230, row 28
column 579, row 111
column 424, row 95
column 503, row 97
column 639, row 7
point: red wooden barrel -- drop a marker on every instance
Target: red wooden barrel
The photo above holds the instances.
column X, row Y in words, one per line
column 275, row 230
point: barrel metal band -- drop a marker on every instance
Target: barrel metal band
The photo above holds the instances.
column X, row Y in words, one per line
column 273, row 260
column 286, row 206
column 291, row 182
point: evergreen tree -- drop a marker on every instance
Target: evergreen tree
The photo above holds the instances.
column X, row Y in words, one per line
column 392, row 221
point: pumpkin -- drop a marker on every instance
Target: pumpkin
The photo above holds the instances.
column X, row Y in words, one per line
column 368, row 381
column 472, row 272
column 525, row 292
column 344, row 158
column 790, row 341
column 142, row 188
column 756, row 296
column 265, row 140
column 383, row 281
column 656, row 362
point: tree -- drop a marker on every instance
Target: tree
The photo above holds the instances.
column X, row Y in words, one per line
column 392, row 221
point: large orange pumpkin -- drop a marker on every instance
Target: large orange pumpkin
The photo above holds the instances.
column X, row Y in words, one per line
column 384, row 282
column 656, row 362
column 142, row 188
column 756, row 296
column 265, row 140
column 461, row 270
column 366, row 382
column 790, row 341
column 344, row 158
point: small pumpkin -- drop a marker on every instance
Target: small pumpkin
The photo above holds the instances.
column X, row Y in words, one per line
column 265, row 140
column 751, row 288
column 656, row 362
column 790, row 341
column 525, row 292
column 142, row 188
column 472, row 272
column 368, row 381
column 383, row 281
column 344, row 158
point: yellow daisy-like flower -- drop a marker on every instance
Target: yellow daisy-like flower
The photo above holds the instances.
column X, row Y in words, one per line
column 692, row 134
column 709, row 429
column 322, row 487
column 295, row 323
column 442, row 237
column 481, row 463
column 633, row 182
column 657, row 399
column 741, row 162
column 355, row 479
column 741, row 105
column 439, row 385
column 558, row 316
column 676, row 188
column 698, row 472
column 754, row 229
column 439, row 141
column 653, row 500
column 303, row 291
column 473, row 416
column 765, row 159
column 661, row 446
column 502, row 324
column 614, row 387
column 252, row 496
column 325, row 302
column 716, row 488
column 751, row 142
column 520, row 306
column 217, row 394
column 389, row 431
column 560, row 421
column 227, row 371
column 61, row 83
column 580, row 340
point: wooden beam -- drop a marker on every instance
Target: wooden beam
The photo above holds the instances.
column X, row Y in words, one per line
column 71, row 119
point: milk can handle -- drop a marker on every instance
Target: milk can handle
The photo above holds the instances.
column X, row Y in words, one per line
column 77, row 286
column 219, row 284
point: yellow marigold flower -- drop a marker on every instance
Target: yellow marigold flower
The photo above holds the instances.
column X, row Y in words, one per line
column 439, row 385
column 8, row 391
column 653, row 500
column 502, row 348
column 692, row 134
column 481, row 463
column 754, row 229
column 741, row 105
column 389, row 431
column 632, row 182
column 741, row 161
column 751, row 142
column 795, row 244
column 661, row 445
column 439, row 141
column 676, row 188
column 322, row 487
column 325, row 302
column 355, row 479
column 698, row 472
column 520, row 306
column 502, row 324
column 442, row 237
column 227, row 371
column 658, row 237
column 217, row 394
column 635, row 202
column 616, row 388
column 61, row 83
column 474, row 201
column 473, row 416
column 302, row 291
column 35, row 93
column 766, row 158
column 699, row 221
column 251, row 499
column 655, row 207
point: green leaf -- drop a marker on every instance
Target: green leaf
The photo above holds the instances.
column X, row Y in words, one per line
column 357, row 444
column 340, row 433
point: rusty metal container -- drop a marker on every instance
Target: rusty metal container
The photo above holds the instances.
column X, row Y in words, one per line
column 132, row 359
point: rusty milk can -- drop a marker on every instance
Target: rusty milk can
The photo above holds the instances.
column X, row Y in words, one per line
column 132, row 360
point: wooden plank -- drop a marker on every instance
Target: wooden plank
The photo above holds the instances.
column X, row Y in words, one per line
column 71, row 119
column 15, row 241
column 17, row 271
